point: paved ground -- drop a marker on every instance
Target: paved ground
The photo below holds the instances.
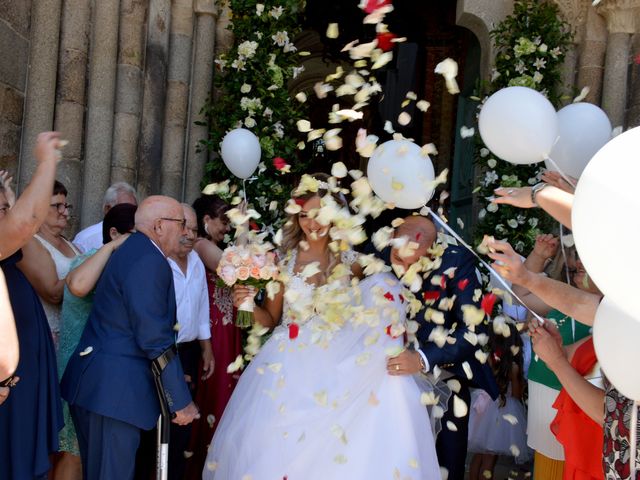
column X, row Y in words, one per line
column 506, row 469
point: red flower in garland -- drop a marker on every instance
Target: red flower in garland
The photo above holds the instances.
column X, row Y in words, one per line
column 281, row 165
column 462, row 284
column 385, row 42
column 487, row 303
column 254, row 226
column 300, row 201
column 294, row 331
column 389, row 296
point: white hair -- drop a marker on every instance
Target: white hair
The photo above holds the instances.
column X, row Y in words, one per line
column 111, row 195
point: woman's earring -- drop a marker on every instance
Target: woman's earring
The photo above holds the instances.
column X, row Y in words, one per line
column 206, row 228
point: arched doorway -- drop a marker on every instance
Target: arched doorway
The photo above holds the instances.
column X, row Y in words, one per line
column 431, row 36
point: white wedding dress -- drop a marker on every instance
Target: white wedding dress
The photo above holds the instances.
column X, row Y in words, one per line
column 309, row 410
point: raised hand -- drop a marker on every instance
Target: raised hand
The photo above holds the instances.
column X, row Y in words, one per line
column 546, row 246
column 555, row 179
column 507, row 262
column 516, row 196
column 547, row 343
column 48, row 145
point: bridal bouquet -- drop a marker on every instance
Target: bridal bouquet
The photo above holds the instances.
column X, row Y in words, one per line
column 252, row 265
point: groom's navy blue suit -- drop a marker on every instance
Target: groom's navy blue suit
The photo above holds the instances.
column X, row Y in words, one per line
column 451, row 445
column 108, row 381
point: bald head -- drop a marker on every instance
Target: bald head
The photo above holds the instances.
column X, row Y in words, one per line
column 162, row 220
column 418, row 229
column 155, row 207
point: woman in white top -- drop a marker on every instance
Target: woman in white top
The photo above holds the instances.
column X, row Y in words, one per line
column 48, row 256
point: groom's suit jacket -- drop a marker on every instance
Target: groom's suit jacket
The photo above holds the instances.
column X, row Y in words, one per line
column 463, row 284
column 131, row 323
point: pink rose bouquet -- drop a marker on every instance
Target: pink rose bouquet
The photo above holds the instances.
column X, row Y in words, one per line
column 252, row 265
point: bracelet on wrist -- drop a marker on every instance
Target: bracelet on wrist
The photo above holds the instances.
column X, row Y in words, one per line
column 535, row 190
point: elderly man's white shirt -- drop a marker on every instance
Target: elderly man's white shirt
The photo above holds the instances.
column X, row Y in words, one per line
column 89, row 238
column 192, row 299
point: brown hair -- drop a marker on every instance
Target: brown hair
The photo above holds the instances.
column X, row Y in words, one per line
column 211, row 205
column 292, row 234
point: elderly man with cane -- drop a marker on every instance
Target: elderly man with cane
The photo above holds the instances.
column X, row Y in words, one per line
column 109, row 382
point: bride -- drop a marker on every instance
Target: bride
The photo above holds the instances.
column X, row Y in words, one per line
column 317, row 402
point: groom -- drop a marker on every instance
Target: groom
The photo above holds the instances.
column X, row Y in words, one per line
column 108, row 381
column 456, row 279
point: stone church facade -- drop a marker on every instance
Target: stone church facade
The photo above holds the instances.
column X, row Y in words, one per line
column 124, row 81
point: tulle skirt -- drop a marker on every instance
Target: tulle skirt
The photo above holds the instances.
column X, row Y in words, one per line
column 496, row 429
column 302, row 411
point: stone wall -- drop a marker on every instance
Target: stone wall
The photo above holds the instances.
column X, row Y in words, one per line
column 122, row 80
column 14, row 58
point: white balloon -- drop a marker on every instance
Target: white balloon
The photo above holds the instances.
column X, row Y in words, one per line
column 518, row 125
column 583, row 129
column 604, row 218
column 615, row 337
column 400, row 172
column 241, row 152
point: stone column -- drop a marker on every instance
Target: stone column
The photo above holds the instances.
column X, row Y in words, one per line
column 633, row 114
column 623, row 19
column 99, row 125
column 153, row 100
column 173, row 141
column 200, row 90
column 592, row 54
column 128, row 104
column 71, row 98
column 41, row 81
column 568, row 73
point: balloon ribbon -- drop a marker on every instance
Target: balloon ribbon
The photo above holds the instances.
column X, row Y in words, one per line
column 449, row 230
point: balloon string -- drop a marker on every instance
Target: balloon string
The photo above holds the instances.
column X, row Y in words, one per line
column 564, row 176
column 566, row 271
column 506, row 286
column 244, row 192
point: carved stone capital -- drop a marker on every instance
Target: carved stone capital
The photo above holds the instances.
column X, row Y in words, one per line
column 574, row 11
column 623, row 16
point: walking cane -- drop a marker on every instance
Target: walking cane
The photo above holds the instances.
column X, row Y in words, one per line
column 164, row 420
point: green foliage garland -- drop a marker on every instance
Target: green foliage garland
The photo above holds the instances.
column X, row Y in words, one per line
column 252, row 79
column 531, row 45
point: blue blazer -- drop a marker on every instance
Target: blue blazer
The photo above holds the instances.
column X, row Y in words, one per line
column 452, row 355
column 463, row 284
column 130, row 324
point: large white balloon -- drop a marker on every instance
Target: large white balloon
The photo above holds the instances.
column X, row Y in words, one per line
column 240, row 152
column 615, row 336
column 605, row 214
column 400, row 172
column 518, row 125
column 583, row 129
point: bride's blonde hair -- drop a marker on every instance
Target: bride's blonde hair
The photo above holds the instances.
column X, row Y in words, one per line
column 292, row 234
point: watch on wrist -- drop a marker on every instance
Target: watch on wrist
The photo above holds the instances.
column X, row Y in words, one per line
column 535, row 190
column 423, row 366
